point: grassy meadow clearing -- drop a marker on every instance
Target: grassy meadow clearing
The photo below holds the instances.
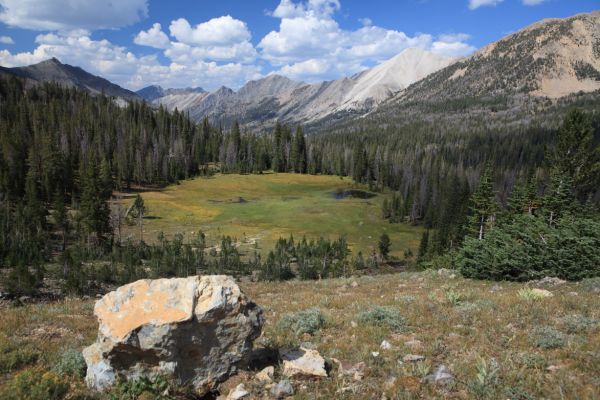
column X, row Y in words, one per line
column 259, row 209
column 497, row 340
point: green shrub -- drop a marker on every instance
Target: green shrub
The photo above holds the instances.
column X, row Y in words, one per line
column 156, row 387
column 578, row 323
column 383, row 316
column 12, row 358
column 308, row 321
column 35, row 385
column 71, row 362
column 546, row 337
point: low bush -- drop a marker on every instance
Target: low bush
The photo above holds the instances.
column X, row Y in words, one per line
column 383, row 316
column 546, row 337
column 13, row 358
column 71, row 362
column 35, row 385
column 157, row 388
column 308, row 321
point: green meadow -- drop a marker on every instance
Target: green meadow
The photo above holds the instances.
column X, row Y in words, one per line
column 258, row 209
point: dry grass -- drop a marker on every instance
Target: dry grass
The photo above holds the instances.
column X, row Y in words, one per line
column 484, row 332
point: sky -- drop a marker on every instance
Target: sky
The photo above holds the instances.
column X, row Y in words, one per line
column 209, row 44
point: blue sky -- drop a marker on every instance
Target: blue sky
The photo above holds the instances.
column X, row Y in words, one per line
column 182, row 43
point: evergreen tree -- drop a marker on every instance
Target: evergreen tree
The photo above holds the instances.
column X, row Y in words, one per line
column 138, row 210
column 384, row 245
column 575, row 154
column 483, row 204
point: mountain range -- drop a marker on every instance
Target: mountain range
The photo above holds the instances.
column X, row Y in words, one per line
column 549, row 59
column 69, row 76
column 278, row 98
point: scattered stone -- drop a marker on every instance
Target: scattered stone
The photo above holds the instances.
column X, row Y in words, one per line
column 354, row 284
column 238, row 393
column 495, row 288
column 353, row 324
column 266, row 375
column 541, row 292
column 553, row 368
column 282, row 389
column 358, row 371
column 414, row 343
column 375, row 354
column 441, row 376
column 194, row 330
column 303, row 363
column 385, row 345
column 24, row 299
column 573, row 294
column 413, row 358
column 308, row 346
column 547, row 282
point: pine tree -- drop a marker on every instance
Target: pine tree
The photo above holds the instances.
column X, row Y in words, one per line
column 138, row 210
column 384, row 245
column 575, row 154
column 559, row 198
column 61, row 217
column 94, row 210
column 483, row 204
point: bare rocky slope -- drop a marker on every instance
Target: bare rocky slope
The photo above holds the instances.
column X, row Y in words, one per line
column 551, row 58
column 53, row 70
column 276, row 97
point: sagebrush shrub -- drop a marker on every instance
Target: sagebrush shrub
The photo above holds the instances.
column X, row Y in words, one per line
column 307, row 321
column 383, row 316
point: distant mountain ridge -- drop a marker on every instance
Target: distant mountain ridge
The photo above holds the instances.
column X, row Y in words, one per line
column 279, row 98
column 53, row 70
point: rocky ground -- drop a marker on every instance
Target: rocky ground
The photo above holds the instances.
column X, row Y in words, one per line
column 408, row 335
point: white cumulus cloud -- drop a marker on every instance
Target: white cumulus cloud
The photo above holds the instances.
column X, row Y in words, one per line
column 153, row 37
column 474, row 4
column 310, row 44
column 221, row 31
column 72, row 14
column 533, row 2
column 6, row 40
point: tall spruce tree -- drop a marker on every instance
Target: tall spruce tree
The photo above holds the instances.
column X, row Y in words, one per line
column 483, row 204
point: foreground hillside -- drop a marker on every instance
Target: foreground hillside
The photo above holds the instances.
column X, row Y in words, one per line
column 498, row 340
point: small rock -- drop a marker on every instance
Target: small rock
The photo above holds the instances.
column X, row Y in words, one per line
column 413, row 358
column 441, row 376
column 385, row 345
column 354, row 284
column 375, row 354
column 542, row 292
column 302, row 362
column 573, row 294
column 553, row 368
column 495, row 288
column 547, row 281
column 413, row 343
column 308, row 346
column 24, row 299
column 353, row 324
column 266, row 375
column 238, row 393
column 282, row 389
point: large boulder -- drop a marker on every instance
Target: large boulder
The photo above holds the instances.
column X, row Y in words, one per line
column 195, row 330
